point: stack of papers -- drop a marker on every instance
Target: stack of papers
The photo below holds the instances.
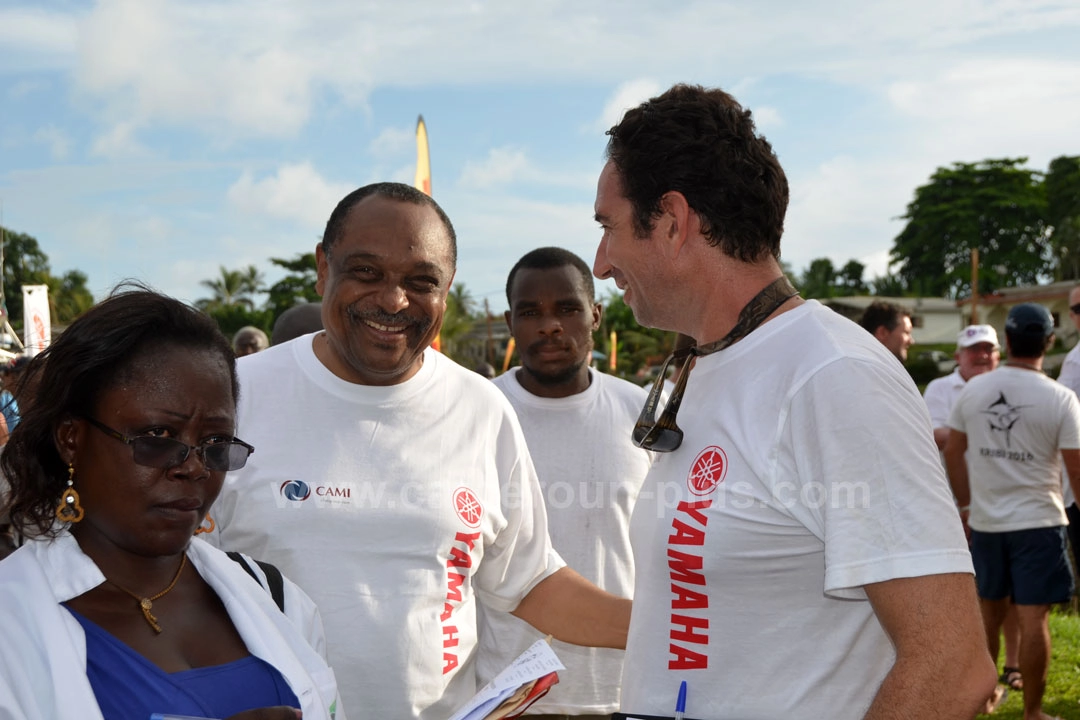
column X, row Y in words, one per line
column 519, row 685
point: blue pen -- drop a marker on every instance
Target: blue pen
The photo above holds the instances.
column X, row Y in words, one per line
column 680, row 704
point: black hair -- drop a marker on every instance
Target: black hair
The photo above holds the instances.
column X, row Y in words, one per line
column 95, row 353
column 546, row 258
column 1028, row 345
column 702, row 143
column 335, row 226
column 882, row 314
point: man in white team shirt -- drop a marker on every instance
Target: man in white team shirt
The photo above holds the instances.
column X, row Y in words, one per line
column 805, row 558
column 1011, row 430
column 394, row 485
column 577, row 424
column 977, row 351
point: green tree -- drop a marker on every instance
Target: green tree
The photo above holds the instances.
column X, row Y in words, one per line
column 25, row 263
column 888, row 285
column 70, row 296
column 818, row 280
column 849, row 281
column 298, row 286
column 232, row 288
column 460, row 318
column 638, row 346
column 995, row 206
column 1063, row 213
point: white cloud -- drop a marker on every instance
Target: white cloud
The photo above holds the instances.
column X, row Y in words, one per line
column 56, row 139
column 846, row 209
column 119, row 143
column 626, row 96
column 296, row 192
column 34, row 38
column 500, row 168
column 393, row 141
column 766, row 117
column 155, row 60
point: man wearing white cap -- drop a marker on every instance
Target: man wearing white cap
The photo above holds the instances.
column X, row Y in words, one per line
column 977, row 351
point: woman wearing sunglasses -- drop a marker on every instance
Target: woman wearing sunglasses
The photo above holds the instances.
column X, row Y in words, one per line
column 114, row 609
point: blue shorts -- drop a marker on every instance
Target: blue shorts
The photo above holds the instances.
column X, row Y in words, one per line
column 1030, row 566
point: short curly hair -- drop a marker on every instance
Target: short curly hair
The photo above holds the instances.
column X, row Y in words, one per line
column 703, row 144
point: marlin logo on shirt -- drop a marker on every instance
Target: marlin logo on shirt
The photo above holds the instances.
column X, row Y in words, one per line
column 1003, row 417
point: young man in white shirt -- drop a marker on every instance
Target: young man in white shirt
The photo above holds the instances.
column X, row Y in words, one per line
column 577, row 423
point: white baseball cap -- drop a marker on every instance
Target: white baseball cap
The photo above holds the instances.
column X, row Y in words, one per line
column 975, row 334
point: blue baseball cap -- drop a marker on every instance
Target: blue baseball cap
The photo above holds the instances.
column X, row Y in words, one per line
column 1029, row 320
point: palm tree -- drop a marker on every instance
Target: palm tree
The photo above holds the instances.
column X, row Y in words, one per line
column 232, row 288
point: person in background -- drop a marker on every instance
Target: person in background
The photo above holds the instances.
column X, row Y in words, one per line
column 392, row 483
column 249, row 340
column 1011, row 429
column 977, row 352
column 577, row 423
column 113, row 609
column 891, row 325
column 1070, row 378
column 302, row 319
column 9, row 403
column 797, row 551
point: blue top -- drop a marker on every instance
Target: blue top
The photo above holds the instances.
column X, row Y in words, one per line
column 130, row 687
column 9, row 408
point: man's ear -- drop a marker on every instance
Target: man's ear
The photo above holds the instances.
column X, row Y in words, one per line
column 881, row 332
column 676, row 218
column 322, row 269
column 66, row 437
column 597, row 315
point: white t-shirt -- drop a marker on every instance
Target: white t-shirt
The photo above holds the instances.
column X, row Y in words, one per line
column 1070, row 378
column 396, row 508
column 591, row 472
column 1016, row 421
column 807, row 471
column 940, row 396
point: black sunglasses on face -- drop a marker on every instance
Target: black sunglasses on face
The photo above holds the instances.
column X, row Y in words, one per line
column 663, row 435
column 1075, row 309
column 165, row 453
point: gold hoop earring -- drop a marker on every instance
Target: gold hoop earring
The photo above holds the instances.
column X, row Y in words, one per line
column 203, row 528
column 69, row 510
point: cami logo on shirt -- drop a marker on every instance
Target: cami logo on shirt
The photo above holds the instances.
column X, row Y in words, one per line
column 708, row 470
column 468, row 507
column 296, row 490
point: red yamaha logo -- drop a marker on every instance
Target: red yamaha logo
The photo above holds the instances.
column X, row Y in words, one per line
column 468, row 507
column 708, row 471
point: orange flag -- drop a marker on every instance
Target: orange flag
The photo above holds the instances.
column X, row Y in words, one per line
column 613, row 357
column 423, row 180
column 509, row 353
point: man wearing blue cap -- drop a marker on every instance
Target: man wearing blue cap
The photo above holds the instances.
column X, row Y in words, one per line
column 1013, row 423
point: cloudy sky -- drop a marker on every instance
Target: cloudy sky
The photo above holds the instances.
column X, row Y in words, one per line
column 161, row 139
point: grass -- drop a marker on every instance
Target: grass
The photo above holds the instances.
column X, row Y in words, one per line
column 1062, row 696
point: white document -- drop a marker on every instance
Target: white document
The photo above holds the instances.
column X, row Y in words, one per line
column 534, row 663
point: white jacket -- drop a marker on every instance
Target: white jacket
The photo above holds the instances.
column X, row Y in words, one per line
column 43, row 648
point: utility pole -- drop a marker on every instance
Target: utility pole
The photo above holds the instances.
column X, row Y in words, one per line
column 974, row 286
